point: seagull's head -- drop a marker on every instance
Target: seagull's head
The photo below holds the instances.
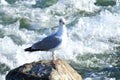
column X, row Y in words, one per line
column 62, row 21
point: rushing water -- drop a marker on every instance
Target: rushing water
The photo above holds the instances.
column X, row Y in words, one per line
column 93, row 26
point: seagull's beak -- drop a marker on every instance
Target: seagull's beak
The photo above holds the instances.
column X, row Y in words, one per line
column 63, row 22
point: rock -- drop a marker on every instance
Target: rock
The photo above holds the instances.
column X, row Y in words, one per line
column 64, row 71
column 105, row 2
column 7, row 19
column 4, row 68
column 11, row 1
column 44, row 70
column 44, row 3
column 25, row 23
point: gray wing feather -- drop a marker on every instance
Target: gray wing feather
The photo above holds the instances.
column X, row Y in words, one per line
column 47, row 43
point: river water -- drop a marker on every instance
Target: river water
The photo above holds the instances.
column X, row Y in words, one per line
column 93, row 47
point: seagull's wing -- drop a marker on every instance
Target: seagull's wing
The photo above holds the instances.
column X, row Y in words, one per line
column 47, row 43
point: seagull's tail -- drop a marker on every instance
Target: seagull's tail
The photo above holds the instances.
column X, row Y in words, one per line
column 30, row 49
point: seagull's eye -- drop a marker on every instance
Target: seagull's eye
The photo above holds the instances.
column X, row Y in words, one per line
column 60, row 20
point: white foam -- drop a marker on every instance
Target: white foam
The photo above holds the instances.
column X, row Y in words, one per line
column 87, row 5
column 99, row 78
column 95, row 31
column 8, row 46
column 3, row 2
column 89, row 35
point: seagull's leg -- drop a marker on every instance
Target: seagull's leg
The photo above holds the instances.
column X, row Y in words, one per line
column 53, row 56
column 53, row 59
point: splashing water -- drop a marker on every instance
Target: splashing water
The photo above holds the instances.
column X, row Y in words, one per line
column 93, row 47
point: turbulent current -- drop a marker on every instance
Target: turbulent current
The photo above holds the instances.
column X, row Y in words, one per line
column 93, row 26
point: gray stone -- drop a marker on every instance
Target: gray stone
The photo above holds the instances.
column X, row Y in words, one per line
column 44, row 3
column 44, row 70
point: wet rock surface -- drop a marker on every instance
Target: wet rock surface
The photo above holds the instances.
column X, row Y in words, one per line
column 105, row 2
column 44, row 70
column 4, row 68
column 44, row 3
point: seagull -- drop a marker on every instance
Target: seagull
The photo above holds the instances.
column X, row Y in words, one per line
column 53, row 41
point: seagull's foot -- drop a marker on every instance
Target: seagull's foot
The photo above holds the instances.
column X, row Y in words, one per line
column 56, row 61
